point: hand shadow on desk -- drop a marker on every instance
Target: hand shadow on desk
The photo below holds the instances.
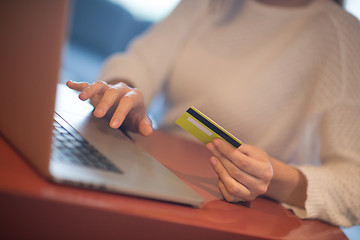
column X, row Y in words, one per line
column 208, row 184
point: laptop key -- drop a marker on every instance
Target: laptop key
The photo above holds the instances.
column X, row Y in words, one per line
column 75, row 149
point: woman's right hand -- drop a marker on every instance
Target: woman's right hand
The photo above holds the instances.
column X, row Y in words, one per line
column 124, row 104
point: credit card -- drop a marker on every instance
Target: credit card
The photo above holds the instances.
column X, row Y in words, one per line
column 205, row 129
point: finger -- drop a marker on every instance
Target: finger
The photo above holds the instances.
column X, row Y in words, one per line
column 232, row 187
column 253, row 184
column 232, row 164
column 265, row 171
column 145, row 127
column 138, row 121
column 251, row 151
column 107, row 101
column 94, row 100
column 227, row 196
column 77, row 86
column 225, row 151
column 127, row 103
column 93, row 89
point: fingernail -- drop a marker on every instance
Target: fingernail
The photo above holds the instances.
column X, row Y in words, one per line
column 115, row 124
column 83, row 96
column 147, row 131
column 148, row 122
column 99, row 112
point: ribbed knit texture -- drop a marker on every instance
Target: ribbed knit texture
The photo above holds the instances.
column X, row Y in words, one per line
column 286, row 80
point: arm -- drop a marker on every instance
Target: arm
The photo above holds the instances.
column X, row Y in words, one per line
column 145, row 65
column 326, row 183
column 288, row 184
column 329, row 191
column 149, row 58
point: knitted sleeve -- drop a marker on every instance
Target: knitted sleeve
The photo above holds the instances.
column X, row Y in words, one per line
column 149, row 58
column 333, row 193
column 333, row 188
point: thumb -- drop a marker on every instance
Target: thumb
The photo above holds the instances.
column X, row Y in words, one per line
column 145, row 126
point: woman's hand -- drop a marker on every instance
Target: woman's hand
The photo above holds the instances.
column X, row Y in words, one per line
column 124, row 104
column 244, row 173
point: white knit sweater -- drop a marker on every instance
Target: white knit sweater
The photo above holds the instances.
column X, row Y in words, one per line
column 285, row 79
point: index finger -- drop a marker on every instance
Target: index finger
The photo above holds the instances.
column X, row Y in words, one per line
column 225, row 152
column 77, row 86
column 126, row 103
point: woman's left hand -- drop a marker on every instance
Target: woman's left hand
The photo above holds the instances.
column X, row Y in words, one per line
column 244, row 173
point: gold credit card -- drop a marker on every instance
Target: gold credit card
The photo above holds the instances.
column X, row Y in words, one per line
column 205, row 129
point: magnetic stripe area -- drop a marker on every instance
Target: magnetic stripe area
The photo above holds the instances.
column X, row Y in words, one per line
column 214, row 128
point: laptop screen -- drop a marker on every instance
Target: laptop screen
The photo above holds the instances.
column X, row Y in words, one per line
column 32, row 33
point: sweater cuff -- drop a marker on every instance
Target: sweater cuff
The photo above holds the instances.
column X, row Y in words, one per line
column 313, row 204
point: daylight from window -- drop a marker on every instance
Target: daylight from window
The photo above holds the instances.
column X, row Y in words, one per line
column 154, row 10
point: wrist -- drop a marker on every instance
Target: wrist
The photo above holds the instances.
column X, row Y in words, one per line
column 288, row 184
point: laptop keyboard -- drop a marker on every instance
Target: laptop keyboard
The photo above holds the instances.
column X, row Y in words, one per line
column 73, row 148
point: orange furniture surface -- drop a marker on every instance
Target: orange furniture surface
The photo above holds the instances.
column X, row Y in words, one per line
column 32, row 207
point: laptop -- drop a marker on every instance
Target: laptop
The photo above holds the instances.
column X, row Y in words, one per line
column 55, row 138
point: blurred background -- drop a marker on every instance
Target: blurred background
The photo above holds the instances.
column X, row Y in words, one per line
column 98, row 28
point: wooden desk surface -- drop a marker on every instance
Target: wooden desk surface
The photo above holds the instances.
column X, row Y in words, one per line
column 34, row 208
